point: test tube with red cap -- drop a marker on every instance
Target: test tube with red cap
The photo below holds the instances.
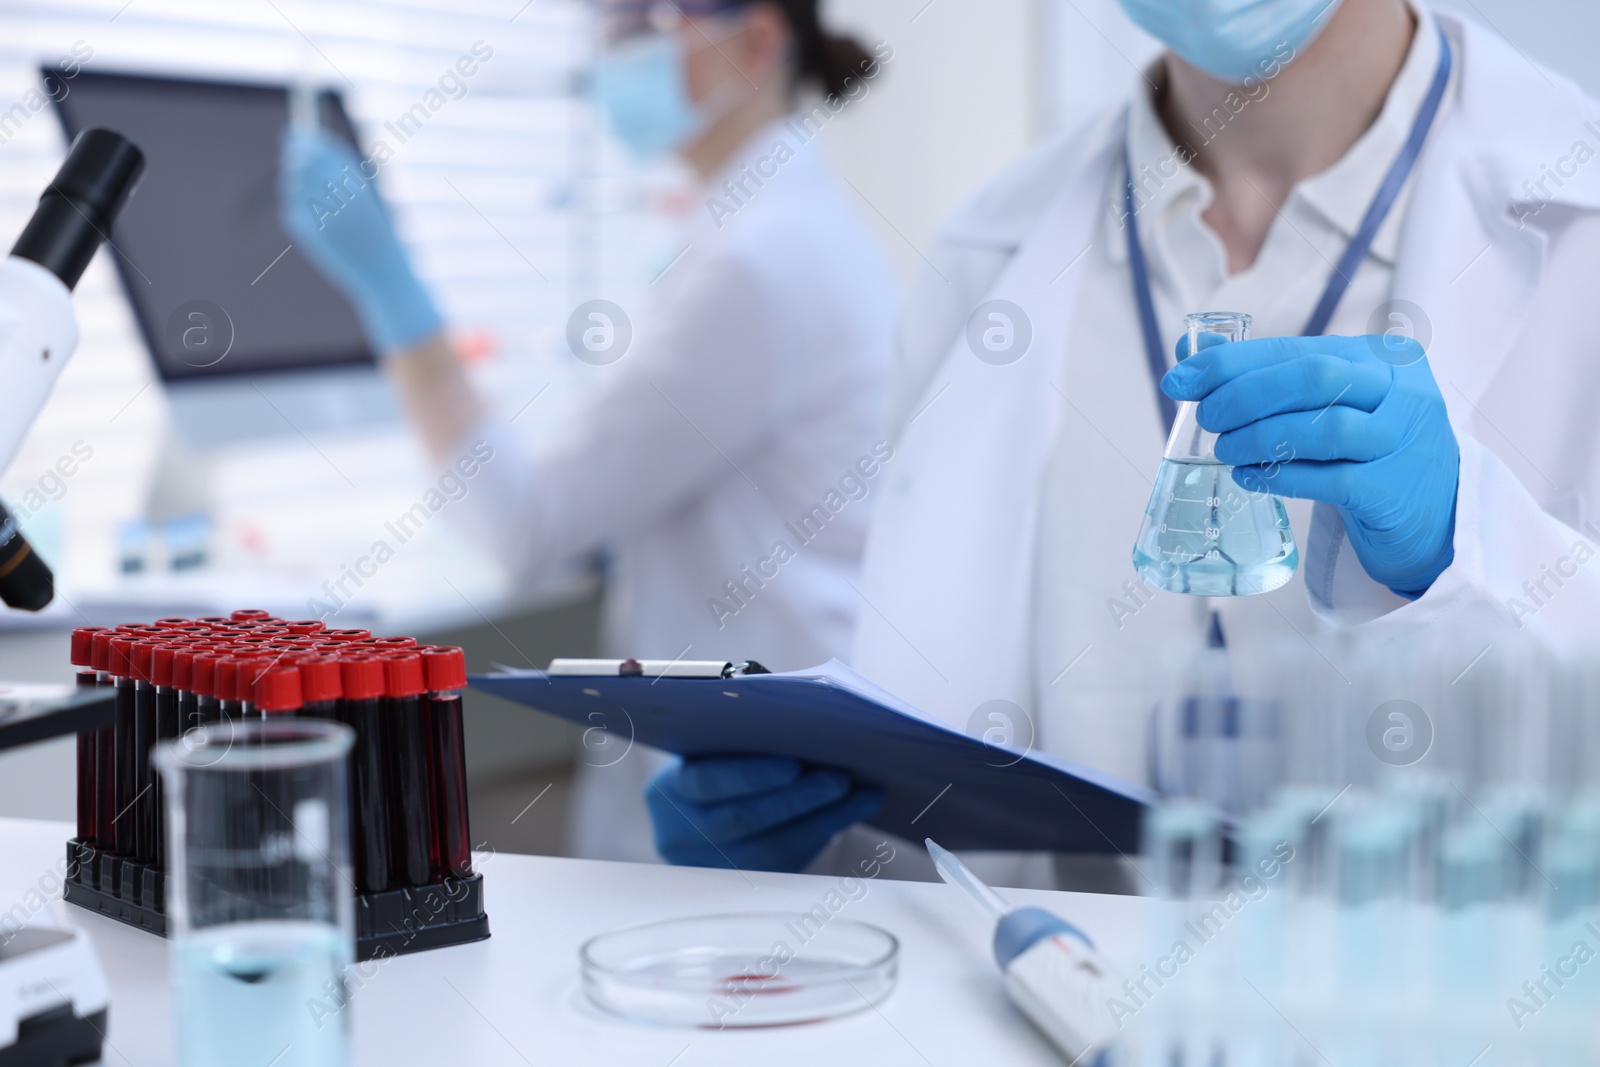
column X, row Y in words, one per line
column 88, row 740
column 168, row 726
column 144, row 739
column 105, row 755
column 362, row 683
column 445, row 674
column 120, row 664
column 204, row 680
column 305, row 626
column 345, row 636
column 406, row 758
column 183, row 685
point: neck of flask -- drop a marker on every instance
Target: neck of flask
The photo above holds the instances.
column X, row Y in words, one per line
column 1189, row 442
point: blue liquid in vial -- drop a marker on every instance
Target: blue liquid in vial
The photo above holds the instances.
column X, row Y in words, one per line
column 1205, row 535
column 262, row 992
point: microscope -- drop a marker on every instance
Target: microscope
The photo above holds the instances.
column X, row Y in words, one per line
column 38, row 331
column 53, row 993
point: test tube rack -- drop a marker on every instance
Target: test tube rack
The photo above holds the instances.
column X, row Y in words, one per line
column 415, row 894
column 391, row 923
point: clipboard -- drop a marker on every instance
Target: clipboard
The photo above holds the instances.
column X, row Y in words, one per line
column 966, row 792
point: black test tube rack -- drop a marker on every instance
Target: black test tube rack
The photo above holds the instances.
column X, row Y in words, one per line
column 400, row 918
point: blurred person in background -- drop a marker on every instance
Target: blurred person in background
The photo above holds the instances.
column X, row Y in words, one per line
column 722, row 460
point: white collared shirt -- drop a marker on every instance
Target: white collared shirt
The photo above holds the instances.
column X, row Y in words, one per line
column 1094, row 632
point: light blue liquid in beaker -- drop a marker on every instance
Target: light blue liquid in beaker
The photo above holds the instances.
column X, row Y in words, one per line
column 262, row 992
column 1205, row 535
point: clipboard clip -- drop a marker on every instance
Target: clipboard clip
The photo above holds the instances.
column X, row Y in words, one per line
column 653, row 668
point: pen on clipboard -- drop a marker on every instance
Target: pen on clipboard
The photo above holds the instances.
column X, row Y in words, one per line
column 654, row 668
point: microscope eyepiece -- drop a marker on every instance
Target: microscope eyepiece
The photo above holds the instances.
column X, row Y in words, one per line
column 78, row 207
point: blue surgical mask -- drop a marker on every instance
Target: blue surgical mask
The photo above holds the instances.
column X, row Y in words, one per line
column 642, row 89
column 1233, row 40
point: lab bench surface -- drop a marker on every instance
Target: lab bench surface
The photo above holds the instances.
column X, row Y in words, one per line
column 514, row 999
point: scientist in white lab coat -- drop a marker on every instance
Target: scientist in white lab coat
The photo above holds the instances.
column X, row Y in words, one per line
column 731, row 452
column 1410, row 209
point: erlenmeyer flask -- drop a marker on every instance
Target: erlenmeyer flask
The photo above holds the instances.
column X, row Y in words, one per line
column 1203, row 533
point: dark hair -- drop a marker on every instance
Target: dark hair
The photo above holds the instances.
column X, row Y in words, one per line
column 831, row 62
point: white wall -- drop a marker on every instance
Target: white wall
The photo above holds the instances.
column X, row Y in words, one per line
column 952, row 108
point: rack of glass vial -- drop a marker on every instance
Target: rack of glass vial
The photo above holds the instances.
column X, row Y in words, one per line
column 1384, row 856
column 408, row 807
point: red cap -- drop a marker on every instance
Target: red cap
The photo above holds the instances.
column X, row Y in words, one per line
column 444, row 668
column 278, row 690
column 361, row 677
column 213, row 620
column 250, row 613
column 226, row 684
column 183, row 665
column 306, row 626
column 100, row 650
column 203, row 671
column 268, row 629
column 138, row 628
column 83, row 645
column 171, row 623
column 161, row 661
column 345, row 635
column 120, row 662
column 248, row 669
column 319, row 676
column 402, row 674
column 396, row 642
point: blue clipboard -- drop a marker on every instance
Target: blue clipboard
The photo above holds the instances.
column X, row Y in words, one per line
column 963, row 792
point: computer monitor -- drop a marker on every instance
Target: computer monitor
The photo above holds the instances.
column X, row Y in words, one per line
column 247, row 336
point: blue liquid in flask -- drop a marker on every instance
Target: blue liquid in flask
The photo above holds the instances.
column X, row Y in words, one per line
column 1205, row 535
column 262, row 992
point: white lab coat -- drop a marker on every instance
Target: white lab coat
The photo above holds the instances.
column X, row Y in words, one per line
column 744, row 404
column 1505, row 281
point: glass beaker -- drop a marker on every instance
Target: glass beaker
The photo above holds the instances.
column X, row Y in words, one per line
column 1204, row 533
column 260, row 902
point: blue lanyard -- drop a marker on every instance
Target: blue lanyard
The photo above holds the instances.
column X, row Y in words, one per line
column 1349, row 263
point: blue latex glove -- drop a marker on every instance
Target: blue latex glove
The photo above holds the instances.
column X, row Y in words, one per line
column 1355, row 422
column 752, row 812
column 345, row 231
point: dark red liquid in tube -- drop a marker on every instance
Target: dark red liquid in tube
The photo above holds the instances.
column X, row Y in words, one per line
column 105, row 750
column 168, row 726
column 88, row 740
column 144, row 739
column 361, row 678
column 126, row 770
column 407, row 758
column 445, row 674
column 183, row 684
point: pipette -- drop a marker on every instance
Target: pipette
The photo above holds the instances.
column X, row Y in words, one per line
column 1051, row 970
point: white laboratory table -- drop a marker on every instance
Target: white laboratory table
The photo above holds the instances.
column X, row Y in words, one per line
column 514, row 998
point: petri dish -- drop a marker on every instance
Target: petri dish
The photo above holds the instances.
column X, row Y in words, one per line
column 734, row 971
